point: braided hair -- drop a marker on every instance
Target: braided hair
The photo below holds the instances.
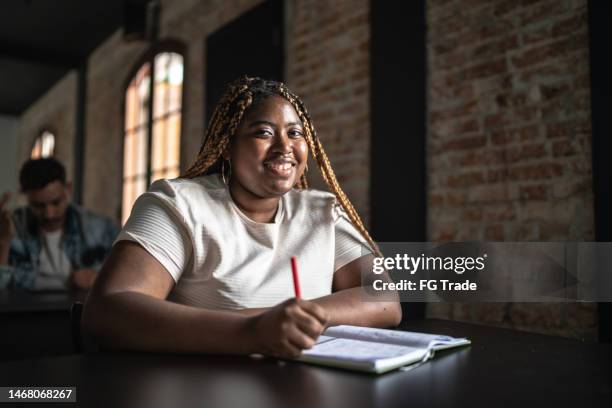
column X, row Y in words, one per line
column 246, row 92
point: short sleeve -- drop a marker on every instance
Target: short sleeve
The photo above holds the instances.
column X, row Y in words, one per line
column 159, row 230
column 350, row 244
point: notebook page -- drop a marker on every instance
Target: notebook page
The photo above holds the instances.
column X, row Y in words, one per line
column 402, row 338
column 358, row 350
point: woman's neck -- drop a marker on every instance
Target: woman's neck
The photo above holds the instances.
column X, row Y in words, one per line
column 256, row 208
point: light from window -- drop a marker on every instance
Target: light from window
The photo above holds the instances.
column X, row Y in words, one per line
column 44, row 146
column 165, row 129
column 135, row 139
column 167, row 116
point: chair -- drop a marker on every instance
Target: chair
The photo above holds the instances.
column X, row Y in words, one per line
column 76, row 311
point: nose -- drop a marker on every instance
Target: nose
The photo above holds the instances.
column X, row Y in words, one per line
column 49, row 212
column 282, row 143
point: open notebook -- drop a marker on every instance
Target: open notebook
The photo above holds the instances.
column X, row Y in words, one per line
column 375, row 350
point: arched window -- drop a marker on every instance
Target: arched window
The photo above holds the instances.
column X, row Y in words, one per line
column 44, row 145
column 152, row 132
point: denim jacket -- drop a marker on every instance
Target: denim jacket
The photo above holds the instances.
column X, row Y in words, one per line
column 86, row 241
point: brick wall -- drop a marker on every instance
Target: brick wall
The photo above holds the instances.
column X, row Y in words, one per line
column 328, row 66
column 509, row 138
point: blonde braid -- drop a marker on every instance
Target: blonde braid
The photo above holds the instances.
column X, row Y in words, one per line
column 326, row 169
column 304, row 182
column 220, row 128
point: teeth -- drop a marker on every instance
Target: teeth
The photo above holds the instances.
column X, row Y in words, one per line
column 279, row 166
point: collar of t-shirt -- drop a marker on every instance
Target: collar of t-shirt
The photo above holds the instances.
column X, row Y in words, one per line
column 273, row 225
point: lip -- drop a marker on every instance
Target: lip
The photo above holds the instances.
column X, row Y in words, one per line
column 281, row 159
column 272, row 167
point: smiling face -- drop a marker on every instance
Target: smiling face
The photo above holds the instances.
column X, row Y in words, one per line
column 268, row 153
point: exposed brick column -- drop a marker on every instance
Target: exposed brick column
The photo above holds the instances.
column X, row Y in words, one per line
column 509, row 136
column 328, row 66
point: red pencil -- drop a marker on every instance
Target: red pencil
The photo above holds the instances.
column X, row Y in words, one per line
column 296, row 279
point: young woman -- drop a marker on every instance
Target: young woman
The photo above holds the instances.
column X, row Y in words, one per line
column 203, row 263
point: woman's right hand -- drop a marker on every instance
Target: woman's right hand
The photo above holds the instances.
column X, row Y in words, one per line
column 288, row 328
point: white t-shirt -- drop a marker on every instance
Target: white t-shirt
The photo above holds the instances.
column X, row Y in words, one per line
column 221, row 259
column 54, row 268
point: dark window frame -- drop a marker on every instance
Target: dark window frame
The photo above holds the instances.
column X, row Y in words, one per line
column 601, row 86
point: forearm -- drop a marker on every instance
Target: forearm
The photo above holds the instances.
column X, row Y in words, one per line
column 348, row 306
column 254, row 311
column 135, row 321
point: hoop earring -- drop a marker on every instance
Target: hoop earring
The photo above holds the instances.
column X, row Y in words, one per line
column 229, row 176
column 223, row 172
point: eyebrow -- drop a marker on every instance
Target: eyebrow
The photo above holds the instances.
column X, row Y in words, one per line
column 43, row 203
column 265, row 122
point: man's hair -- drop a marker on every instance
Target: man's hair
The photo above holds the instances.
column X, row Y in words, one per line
column 243, row 94
column 37, row 173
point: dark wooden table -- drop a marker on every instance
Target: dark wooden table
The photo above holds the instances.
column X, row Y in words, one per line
column 501, row 368
column 35, row 324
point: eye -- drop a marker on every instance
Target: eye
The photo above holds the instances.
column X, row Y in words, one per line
column 295, row 133
column 263, row 133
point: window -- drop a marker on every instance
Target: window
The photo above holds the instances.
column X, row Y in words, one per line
column 44, row 145
column 152, row 133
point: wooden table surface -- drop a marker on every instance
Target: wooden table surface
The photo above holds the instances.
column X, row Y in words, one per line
column 501, row 368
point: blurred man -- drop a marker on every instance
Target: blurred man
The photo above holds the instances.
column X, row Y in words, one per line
column 51, row 243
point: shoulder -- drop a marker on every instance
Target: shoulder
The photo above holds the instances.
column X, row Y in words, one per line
column 312, row 203
column 180, row 196
column 25, row 225
column 186, row 191
column 185, row 186
column 89, row 218
column 88, row 214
